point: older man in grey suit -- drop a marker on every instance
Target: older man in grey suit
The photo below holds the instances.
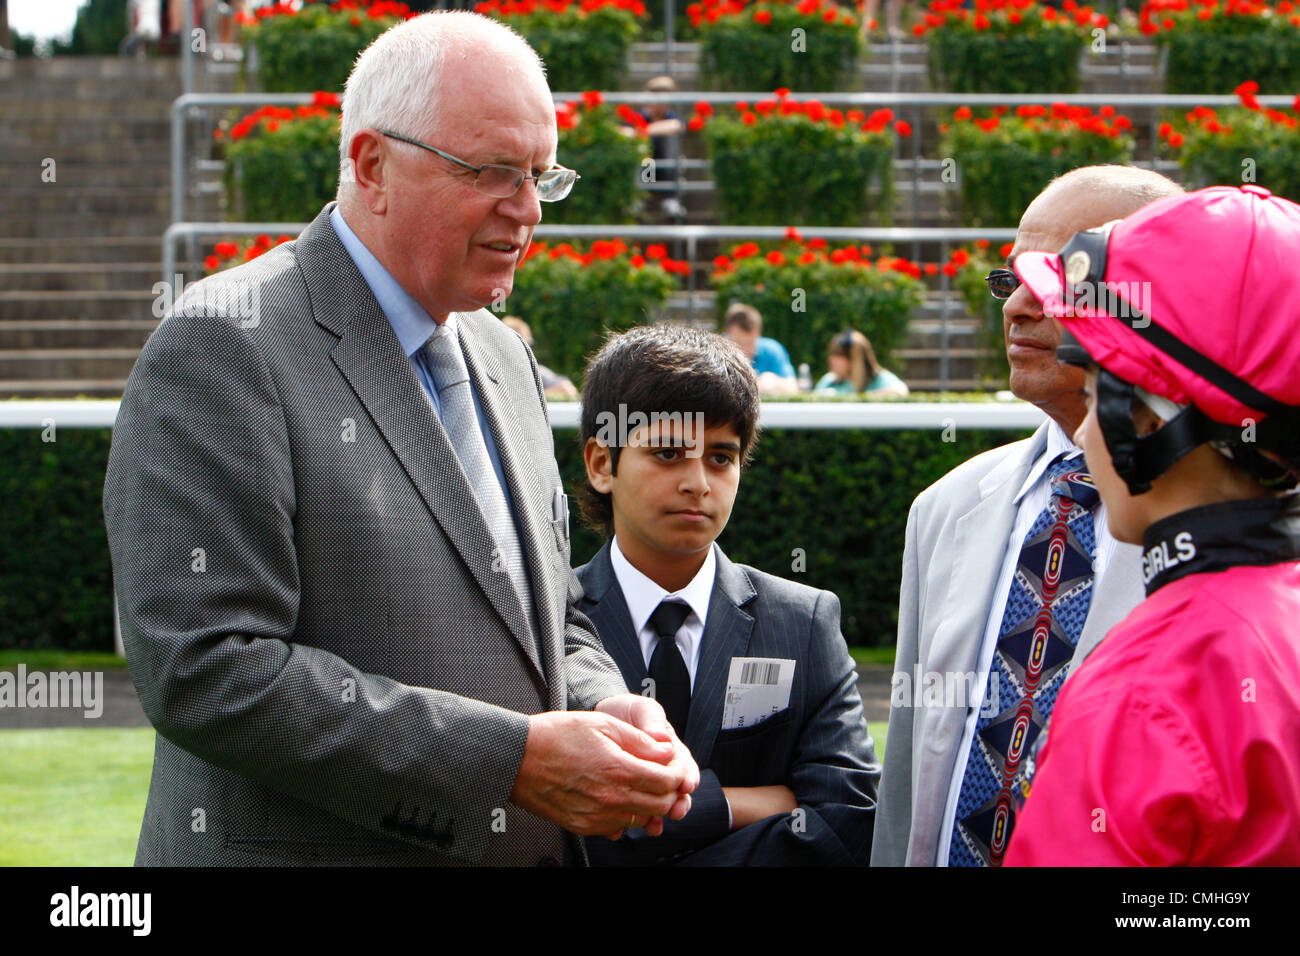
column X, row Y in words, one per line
column 339, row 539
column 985, row 637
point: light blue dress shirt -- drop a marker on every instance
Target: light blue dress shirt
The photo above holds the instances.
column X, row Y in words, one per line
column 413, row 326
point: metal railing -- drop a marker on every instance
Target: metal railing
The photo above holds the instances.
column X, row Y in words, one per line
column 919, row 416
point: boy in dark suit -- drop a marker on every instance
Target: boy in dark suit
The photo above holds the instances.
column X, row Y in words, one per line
column 751, row 669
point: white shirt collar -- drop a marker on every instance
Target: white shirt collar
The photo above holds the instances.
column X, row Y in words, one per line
column 643, row 595
column 1058, row 443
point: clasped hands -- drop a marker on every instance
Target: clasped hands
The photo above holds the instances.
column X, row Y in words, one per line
column 600, row 772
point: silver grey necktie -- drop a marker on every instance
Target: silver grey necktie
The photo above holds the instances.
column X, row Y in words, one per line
column 460, row 421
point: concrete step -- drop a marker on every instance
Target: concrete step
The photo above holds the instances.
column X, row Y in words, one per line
column 17, row 176
column 100, row 306
column 58, row 198
column 68, row 225
column 78, row 276
column 99, row 68
column 95, row 249
column 105, row 387
column 44, row 105
column 95, row 127
column 69, row 364
column 113, row 151
column 75, row 334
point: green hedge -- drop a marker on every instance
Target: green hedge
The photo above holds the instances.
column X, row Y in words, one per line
column 609, row 161
column 965, row 62
column 1004, row 169
column 786, row 169
column 313, row 49
column 738, row 54
column 841, row 496
column 570, row 299
column 55, row 578
column 1200, row 61
column 286, row 174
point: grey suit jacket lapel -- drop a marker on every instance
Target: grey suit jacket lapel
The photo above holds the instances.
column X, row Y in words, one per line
column 379, row 371
column 534, row 527
column 727, row 633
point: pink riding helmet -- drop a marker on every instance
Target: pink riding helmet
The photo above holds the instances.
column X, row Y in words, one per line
column 1195, row 298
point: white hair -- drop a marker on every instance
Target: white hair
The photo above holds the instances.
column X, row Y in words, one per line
column 395, row 82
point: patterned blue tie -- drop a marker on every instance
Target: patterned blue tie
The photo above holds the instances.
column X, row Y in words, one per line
column 1046, row 607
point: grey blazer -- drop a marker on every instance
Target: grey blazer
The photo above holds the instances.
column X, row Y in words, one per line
column 957, row 531
column 307, row 594
column 818, row 746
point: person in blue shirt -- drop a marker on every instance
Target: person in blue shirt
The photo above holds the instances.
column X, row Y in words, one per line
column 854, row 369
column 744, row 325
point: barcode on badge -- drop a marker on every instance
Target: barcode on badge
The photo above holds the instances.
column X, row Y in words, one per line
column 760, row 672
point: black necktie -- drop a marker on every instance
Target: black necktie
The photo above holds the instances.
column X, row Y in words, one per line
column 672, row 681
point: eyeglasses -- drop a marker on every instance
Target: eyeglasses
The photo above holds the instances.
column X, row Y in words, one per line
column 502, row 182
column 1002, row 282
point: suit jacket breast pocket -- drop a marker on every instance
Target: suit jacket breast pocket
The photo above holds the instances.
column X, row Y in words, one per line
column 756, row 756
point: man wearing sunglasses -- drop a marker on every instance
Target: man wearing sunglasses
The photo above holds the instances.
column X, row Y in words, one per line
column 339, row 536
column 1010, row 578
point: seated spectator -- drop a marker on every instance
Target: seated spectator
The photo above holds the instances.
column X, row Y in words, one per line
column 744, row 325
column 554, row 384
column 854, row 369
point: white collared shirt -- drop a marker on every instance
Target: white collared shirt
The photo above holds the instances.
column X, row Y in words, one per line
column 1030, row 501
column 644, row 595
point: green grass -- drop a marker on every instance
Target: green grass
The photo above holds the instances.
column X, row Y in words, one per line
column 878, row 730
column 873, row 656
column 72, row 797
column 50, row 660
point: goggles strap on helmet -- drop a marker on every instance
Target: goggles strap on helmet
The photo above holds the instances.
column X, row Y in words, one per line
column 1140, row 460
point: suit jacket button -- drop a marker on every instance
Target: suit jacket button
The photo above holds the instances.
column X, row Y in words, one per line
column 548, row 861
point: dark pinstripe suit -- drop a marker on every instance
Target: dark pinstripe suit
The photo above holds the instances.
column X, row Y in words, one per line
column 818, row 747
column 340, row 675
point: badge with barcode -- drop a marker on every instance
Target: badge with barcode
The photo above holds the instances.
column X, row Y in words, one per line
column 757, row 688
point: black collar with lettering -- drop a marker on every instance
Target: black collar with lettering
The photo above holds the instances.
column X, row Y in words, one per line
column 1221, row 536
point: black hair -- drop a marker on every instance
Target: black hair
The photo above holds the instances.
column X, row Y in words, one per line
column 665, row 369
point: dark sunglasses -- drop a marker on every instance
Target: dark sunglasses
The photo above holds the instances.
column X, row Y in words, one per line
column 1002, row 282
